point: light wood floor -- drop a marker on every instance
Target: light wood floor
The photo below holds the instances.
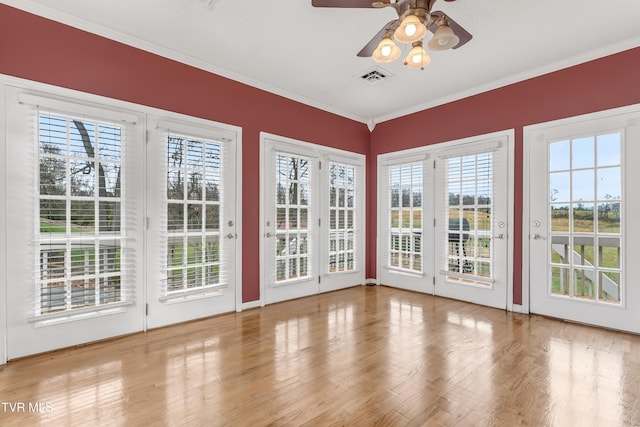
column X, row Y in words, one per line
column 360, row 357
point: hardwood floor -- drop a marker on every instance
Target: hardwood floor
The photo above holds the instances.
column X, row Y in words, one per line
column 362, row 356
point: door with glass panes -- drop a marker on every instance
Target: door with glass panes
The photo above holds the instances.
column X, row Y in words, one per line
column 581, row 226
column 405, row 249
column 342, row 234
column 192, row 220
column 74, row 235
column 443, row 219
column 471, row 227
column 313, row 221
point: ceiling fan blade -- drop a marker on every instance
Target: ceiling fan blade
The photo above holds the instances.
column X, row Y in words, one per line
column 463, row 34
column 343, row 3
column 373, row 43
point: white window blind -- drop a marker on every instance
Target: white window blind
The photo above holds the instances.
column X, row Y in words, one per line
column 81, row 228
column 468, row 213
column 403, row 216
column 194, row 251
column 342, row 217
column 294, row 217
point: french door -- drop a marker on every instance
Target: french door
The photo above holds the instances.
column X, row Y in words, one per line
column 106, row 234
column 580, row 219
column 313, row 219
column 405, row 218
column 444, row 220
column 471, row 222
column 73, row 230
column 191, row 200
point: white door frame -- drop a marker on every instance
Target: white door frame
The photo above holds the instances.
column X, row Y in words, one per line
column 3, row 230
column 529, row 140
column 185, row 308
column 430, row 151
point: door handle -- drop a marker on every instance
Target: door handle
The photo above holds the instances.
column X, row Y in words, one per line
column 268, row 234
column 537, row 237
column 230, row 236
column 499, row 236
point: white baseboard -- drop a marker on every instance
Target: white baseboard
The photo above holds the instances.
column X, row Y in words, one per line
column 371, row 282
column 517, row 308
column 251, row 304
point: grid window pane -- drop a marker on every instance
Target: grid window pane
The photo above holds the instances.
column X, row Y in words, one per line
column 292, row 212
column 194, row 187
column 469, row 217
column 585, row 228
column 80, row 229
column 342, row 222
column 406, row 196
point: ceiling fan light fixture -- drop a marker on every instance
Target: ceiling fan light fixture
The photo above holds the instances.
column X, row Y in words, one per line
column 411, row 30
column 417, row 57
column 386, row 51
column 444, row 38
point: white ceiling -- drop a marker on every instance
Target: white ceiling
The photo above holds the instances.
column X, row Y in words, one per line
column 309, row 54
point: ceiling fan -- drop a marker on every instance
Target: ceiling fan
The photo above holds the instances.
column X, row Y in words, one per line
column 415, row 18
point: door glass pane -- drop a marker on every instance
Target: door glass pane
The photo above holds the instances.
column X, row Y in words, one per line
column 405, row 210
column 80, row 213
column 469, row 217
column 585, row 231
column 194, row 185
column 342, row 217
column 293, row 232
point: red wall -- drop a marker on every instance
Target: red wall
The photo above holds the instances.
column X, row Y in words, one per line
column 593, row 86
column 38, row 49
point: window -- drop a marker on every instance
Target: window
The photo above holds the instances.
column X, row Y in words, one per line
column 405, row 231
column 342, row 226
column 469, row 215
column 292, row 213
column 585, row 206
column 193, row 213
column 80, row 213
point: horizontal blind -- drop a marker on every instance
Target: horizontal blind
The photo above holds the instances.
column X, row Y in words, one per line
column 293, row 204
column 468, row 215
column 403, row 214
column 195, row 256
column 84, row 219
column 342, row 218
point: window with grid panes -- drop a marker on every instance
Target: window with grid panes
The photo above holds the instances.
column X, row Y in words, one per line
column 342, row 185
column 80, row 213
column 193, row 213
column 469, row 215
column 292, row 211
column 585, row 209
column 405, row 231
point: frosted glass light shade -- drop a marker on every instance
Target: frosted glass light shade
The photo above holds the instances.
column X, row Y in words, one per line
column 417, row 57
column 386, row 51
column 444, row 38
column 411, row 30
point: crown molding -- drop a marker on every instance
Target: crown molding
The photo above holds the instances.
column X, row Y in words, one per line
column 536, row 72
